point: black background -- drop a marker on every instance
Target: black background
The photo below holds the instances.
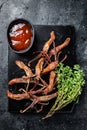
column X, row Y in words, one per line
column 42, row 34
column 44, row 12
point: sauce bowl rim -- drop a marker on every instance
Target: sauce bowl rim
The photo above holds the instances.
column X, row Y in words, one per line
column 18, row 20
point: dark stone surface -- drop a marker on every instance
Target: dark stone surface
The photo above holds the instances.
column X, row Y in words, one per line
column 54, row 12
column 41, row 35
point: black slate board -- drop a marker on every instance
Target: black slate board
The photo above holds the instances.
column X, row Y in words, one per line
column 42, row 34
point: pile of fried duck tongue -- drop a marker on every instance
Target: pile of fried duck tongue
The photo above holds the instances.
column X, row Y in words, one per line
column 47, row 61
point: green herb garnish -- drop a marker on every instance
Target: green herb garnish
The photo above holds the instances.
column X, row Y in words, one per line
column 69, row 86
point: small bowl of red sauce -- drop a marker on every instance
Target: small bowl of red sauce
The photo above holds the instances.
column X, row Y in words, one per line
column 20, row 35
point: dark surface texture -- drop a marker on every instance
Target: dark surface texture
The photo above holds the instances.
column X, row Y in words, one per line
column 42, row 34
column 44, row 12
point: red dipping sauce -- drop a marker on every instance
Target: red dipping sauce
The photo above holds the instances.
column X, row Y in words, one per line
column 20, row 36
